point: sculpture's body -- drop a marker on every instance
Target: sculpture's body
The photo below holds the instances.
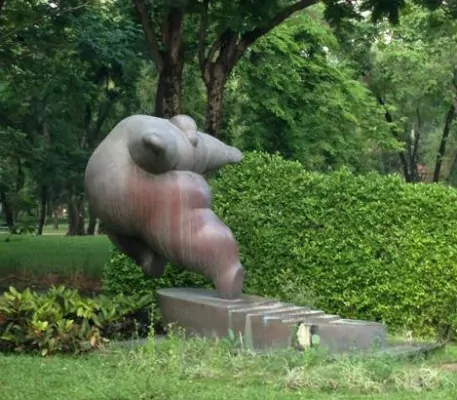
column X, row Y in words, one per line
column 143, row 183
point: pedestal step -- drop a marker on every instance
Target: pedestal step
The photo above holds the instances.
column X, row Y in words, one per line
column 265, row 323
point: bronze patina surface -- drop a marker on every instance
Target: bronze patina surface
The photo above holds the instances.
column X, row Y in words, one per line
column 144, row 183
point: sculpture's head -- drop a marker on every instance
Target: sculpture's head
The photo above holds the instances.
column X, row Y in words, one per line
column 176, row 144
column 207, row 153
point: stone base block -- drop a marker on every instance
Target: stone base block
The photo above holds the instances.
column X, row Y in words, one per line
column 265, row 323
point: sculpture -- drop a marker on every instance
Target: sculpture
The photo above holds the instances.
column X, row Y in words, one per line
column 143, row 182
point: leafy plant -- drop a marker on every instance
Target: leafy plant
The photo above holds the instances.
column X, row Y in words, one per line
column 61, row 321
column 122, row 275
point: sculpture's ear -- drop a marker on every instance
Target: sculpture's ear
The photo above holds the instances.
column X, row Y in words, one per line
column 187, row 126
column 155, row 142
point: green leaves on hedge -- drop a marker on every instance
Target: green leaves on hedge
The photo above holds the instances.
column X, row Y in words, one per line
column 368, row 247
column 122, row 275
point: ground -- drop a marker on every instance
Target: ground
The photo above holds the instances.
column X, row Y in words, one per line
column 198, row 369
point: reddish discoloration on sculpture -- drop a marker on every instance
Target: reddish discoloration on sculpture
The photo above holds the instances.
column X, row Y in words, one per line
column 174, row 210
column 155, row 217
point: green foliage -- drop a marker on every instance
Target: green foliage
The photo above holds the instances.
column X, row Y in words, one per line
column 411, row 69
column 64, row 79
column 61, row 321
column 299, row 99
column 369, row 247
column 122, row 275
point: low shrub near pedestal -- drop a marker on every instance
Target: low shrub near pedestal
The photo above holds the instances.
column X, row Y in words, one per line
column 122, row 275
column 366, row 247
column 61, row 321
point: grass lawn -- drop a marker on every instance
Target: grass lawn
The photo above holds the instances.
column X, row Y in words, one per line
column 30, row 258
column 196, row 369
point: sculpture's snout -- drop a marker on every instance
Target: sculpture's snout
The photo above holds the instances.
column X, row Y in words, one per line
column 235, row 156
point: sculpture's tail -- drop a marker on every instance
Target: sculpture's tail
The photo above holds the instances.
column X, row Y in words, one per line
column 214, row 154
column 234, row 156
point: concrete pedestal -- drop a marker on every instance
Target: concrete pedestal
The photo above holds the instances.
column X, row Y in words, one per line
column 265, row 323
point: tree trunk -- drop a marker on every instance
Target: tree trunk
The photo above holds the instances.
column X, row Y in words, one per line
column 7, row 211
column 55, row 215
column 412, row 153
column 168, row 55
column 42, row 210
column 450, row 176
column 101, row 228
column 215, row 83
column 92, row 223
column 76, row 216
column 217, row 63
column 169, row 90
column 442, row 149
column 401, row 154
column 414, row 159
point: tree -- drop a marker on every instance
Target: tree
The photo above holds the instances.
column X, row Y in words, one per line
column 413, row 75
column 297, row 98
column 59, row 92
column 225, row 31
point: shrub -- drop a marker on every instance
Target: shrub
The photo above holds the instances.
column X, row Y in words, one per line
column 367, row 247
column 62, row 321
column 122, row 275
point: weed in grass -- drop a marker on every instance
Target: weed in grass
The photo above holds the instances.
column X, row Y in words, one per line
column 368, row 375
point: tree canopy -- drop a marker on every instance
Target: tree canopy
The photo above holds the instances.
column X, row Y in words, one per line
column 330, row 84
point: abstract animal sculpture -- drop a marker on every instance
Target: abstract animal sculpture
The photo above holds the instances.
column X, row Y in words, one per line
column 143, row 182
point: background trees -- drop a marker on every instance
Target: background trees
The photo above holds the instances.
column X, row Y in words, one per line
column 67, row 72
column 318, row 82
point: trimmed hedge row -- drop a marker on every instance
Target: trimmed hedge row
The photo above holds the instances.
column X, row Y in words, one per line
column 369, row 247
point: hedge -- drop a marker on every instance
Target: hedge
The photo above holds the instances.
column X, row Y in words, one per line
column 362, row 246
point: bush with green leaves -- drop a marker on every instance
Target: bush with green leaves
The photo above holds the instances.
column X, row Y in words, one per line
column 122, row 275
column 363, row 246
column 61, row 321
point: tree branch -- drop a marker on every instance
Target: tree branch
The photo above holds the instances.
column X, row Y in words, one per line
column 450, row 116
column 202, row 34
column 214, row 48
column 149, row 32
column 250, row 37
column 417, row 138
column 37, row 21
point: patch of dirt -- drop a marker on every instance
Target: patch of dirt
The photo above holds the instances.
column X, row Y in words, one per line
column 450, row 366
column 86, row 286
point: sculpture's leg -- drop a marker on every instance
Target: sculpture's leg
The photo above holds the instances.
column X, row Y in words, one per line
column 151, row 264
column 209, row 248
